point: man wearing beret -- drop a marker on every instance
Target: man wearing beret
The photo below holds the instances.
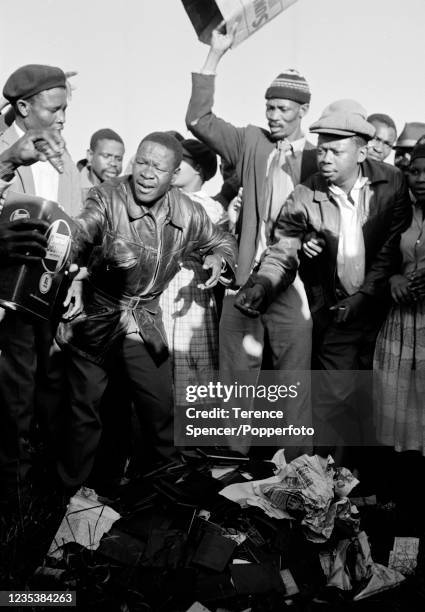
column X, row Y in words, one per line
column 135, row 230
column 269, row 164
column 38, row 97
column 352, row 212
column 21, row 241
column 30, row 371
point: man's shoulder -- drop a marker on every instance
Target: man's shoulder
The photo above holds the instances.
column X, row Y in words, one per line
column 184, row 210
column 180, row 200
column 257, row 133
column 311, row 184
column 112, row 185
column 381, row 171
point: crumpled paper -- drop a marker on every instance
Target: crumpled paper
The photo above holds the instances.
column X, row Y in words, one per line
column 308, row 488
column 374, row 576
column 85, row 522
column 380, row 578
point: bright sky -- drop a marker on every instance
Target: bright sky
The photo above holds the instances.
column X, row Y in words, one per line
column 134, row 60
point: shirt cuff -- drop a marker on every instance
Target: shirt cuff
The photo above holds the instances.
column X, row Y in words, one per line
column 4, row 186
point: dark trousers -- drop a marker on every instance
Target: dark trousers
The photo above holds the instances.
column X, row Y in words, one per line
column 342, row 392
column 150, row 387
column 31, row 384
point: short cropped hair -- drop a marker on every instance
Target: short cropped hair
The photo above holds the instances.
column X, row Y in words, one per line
column 104, row 134
column 169, row 142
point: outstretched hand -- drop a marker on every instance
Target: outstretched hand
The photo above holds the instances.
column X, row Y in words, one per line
column 212, row 262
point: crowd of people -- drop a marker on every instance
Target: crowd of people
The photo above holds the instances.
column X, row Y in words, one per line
column 311, row 257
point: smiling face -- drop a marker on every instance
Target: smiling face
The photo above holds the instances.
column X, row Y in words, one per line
column 284, row 118
column 44, row 110
column 379, row 147
column 154, row 171
column 416, row 178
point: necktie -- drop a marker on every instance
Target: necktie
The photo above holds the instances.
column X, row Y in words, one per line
column 280, row 182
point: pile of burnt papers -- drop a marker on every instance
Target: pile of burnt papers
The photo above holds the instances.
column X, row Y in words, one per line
column 220, row 532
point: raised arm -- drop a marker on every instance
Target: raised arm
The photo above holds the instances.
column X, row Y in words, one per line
column 226, row 139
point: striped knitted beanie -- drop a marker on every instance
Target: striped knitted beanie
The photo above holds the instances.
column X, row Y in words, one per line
column 290, row 85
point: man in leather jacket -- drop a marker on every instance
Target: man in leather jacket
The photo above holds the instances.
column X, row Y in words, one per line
column 356, row 210
column 134, row 231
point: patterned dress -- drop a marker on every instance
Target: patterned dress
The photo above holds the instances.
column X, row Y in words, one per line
column 399, row 361
column 190, row 318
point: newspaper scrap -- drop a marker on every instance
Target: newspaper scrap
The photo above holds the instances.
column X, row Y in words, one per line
column 250, row 15
column 85, row 522
column 247, row 494
column 382, row 579
column 338, row 575
column 308, row 489
column 377, row 577
column 404, row 555
column 344, row 482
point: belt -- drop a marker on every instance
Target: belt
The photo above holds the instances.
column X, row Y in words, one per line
column 131, row 302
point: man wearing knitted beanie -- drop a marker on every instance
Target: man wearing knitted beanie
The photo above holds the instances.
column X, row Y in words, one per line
column 269, row 163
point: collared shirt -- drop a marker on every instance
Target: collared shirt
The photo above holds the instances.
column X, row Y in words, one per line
column 46, row 178
column 88, row 180
column 214, row 209
column 354, row 210
column 289, row 161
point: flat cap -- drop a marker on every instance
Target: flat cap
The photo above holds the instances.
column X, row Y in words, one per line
column 344, row 118
column 31, row 79
column 410, row 134
column 199, row 154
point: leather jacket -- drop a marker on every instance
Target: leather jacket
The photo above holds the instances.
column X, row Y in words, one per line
column 132, row 253
column 311, row 209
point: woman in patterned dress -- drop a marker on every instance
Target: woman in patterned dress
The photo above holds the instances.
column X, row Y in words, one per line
column 399, row 361
column 189, row 312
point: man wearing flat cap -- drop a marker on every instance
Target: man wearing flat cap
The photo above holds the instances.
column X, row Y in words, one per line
column 356, row 209
column 38, row 97
column 269, row 163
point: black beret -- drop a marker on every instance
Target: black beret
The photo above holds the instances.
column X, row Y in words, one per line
column 31, row 79
column 198, row 154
